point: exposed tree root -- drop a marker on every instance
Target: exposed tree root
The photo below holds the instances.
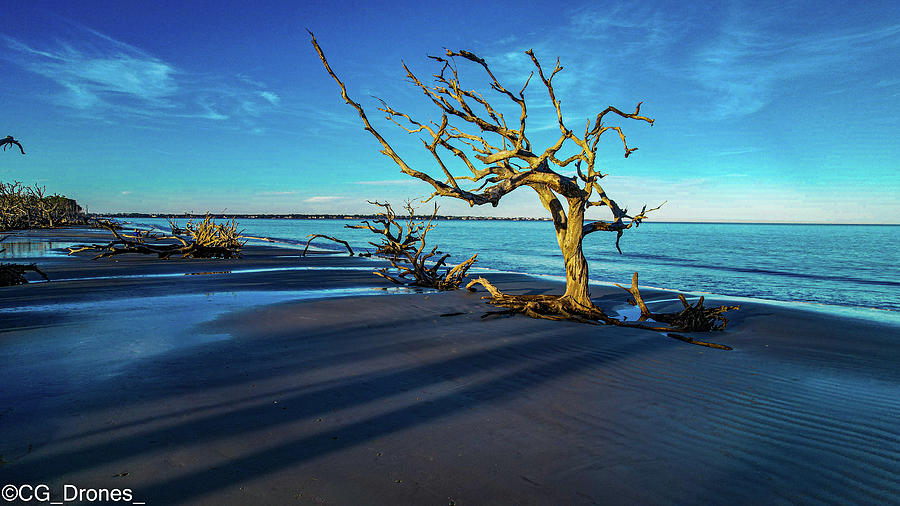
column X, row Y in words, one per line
column 553, row 307
column 547, row 307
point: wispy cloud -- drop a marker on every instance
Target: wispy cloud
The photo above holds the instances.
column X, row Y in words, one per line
column 386, row 182
column 276, row 193
column 736, row 152
column 732, row 61
column 105, row 78
column 270, row 97
column 89, row 76
column 594, row 44
column 641, row 31
column 320, row 198
column 885, row 83
column 751, row 56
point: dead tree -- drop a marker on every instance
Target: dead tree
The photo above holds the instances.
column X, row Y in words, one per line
column 14, row 210
column 405, row 248
column 47, row 206
column 498, row 158
column 24, row 206
column 8, row 141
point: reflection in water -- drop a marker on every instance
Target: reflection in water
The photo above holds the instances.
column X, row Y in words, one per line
column 23, row 248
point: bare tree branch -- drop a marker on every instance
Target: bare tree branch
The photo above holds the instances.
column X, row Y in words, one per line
column 9, row 141
column 320, row 236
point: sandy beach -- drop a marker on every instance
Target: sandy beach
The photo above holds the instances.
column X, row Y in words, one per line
column 236, row 382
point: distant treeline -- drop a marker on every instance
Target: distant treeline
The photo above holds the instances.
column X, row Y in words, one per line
column 24, row 207
column 302, row 216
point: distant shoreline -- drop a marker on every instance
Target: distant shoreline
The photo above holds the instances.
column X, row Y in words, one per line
column 328, row 216
column 294, row 216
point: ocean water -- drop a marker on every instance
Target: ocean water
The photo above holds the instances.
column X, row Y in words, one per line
column 842, row 265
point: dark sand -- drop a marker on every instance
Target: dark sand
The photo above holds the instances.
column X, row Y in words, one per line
column 238, row 389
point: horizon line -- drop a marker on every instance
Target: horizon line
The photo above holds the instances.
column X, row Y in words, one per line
column 164, row 215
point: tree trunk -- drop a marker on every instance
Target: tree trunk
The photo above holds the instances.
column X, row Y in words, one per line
column 576, row 265
column 577, row 276
column 569, row 235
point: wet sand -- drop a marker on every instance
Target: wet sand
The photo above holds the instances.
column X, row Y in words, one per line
column 239, row 388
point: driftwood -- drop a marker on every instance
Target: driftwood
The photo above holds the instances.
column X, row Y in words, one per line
column 14, row 274
column 176, row 230
column 320, row 236
column 395, row 238
column 691, row 340
column 551, row 307
column 405, row 248
column 692, row 318
column 104, row 223
column 204, row 240
column 403, row 245
column 413, row 271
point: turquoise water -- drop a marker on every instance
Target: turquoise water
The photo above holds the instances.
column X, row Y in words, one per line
column 846, row 265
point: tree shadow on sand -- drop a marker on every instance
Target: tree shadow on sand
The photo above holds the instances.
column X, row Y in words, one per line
column 505, row 370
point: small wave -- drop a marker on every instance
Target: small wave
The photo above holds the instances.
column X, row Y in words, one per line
column 687, row 264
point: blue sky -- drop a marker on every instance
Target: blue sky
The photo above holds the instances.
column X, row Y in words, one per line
column 783, row 111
